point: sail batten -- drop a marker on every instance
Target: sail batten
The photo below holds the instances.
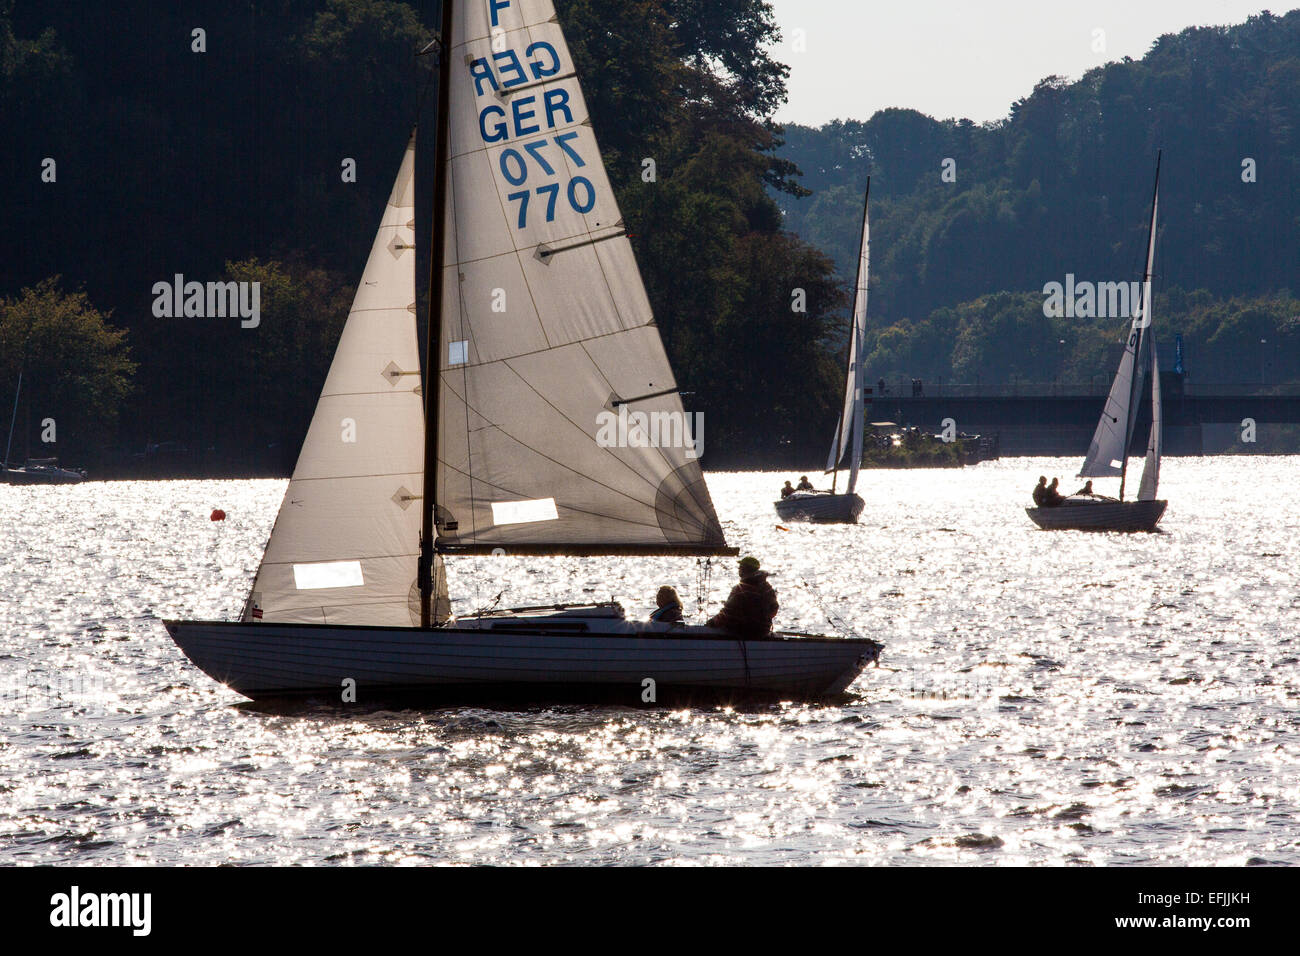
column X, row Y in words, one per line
column 545, row 323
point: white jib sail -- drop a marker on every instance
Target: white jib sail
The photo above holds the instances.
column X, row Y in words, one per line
column 559, row 422
column 1106, row 453
column 852, row 418
column 344, row 546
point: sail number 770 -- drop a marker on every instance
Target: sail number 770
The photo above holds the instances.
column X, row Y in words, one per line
column 515, row 168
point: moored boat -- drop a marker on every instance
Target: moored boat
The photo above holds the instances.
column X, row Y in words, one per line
column 35, row 471
column 41, row 471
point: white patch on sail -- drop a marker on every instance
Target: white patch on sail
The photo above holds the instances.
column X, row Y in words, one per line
column 457, row 352
column 328, row 574
column 520, row 512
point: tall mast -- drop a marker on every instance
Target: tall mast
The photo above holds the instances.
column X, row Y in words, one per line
column 850, row 374
column 856, row 420
column 1141, row 331
column 433, row 351
column 13, row 418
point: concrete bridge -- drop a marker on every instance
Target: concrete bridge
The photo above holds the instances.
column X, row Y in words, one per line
column 1052, row 419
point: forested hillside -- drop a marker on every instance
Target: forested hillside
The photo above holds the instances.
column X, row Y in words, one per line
column 1063, row 185
column 134, row 151
column 226, row 162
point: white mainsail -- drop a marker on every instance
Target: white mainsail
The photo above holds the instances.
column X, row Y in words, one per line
column 852, row 418
column 344, row 546
column 560, row 429
column 1109, row 448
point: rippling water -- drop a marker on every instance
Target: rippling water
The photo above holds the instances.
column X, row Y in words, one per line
column 1043, row 697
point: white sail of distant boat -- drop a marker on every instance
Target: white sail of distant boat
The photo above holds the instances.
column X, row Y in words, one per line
column 556, row 428
column 1107, row 455
column 343, row 549
column 1151, row 466
column 836, row 507
column 852, row 423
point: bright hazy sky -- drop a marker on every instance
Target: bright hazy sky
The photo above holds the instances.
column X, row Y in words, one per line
column 964, row 58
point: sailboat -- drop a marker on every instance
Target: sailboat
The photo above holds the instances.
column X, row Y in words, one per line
column 1108, row 453
column 830, row 507
column 540, row 335
column 35, row 471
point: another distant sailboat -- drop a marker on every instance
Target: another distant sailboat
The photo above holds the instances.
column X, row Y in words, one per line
column 540, row 332
column 1108, row 454
column 35, row 471
column 828, row 507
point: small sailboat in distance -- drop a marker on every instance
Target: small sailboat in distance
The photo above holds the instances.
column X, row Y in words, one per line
column 830, row 507
column 1108, row 453
column 516, row 457
column 34, row 471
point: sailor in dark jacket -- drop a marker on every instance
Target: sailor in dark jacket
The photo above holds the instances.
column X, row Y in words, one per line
column 1040, row 491
column 752, row 604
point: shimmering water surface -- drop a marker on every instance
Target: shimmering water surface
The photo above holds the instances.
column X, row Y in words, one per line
column 1043, row 697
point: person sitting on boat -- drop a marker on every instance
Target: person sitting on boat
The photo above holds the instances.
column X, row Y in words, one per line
column 1040, row 492
column 1052, row 497
column 669, row 610
column 804, row 484
column 1086, row 489
column 752, row 604
column 787, row 491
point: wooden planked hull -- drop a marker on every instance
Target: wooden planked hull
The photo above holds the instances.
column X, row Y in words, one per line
column 820, row 508
column 1100, row 516
column 535, row 658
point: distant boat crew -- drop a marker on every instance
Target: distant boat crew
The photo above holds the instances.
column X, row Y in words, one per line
column 1108, row 452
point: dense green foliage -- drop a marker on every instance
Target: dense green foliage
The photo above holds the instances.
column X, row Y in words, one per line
column 1063, row 185
column 172, row 161
column 75, row 368
column 226, row 164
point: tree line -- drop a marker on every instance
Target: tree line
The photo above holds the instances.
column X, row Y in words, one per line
column 218, row 155
column 971, row 221
column 147, row 141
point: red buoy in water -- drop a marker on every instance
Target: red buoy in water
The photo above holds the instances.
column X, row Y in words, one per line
column 218, row 514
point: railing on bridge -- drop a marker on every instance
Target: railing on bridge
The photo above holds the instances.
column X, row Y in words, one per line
column 1098, row 388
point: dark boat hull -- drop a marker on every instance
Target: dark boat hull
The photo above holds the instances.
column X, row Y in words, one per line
column 44, row 476
column 1100, row 516
column 820, row 508
column 485, row 659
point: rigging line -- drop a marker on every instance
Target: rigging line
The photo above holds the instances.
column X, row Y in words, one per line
column 663, row 456
column 583, row 431
column 428, row 82
column 563, row 345
column 580, row 511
